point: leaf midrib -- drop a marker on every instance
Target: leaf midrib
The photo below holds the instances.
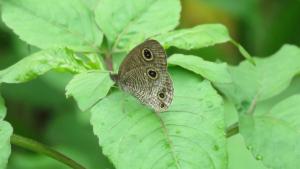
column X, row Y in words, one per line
column 165, row 133
column 127, row 26
column 168, row 140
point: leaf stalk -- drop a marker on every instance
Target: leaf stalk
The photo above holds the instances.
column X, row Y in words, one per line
column 35, row 146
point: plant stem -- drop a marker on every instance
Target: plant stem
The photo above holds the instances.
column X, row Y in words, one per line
column 108, row 61
column 252, row 106
column 232, row 130
column 35, row 146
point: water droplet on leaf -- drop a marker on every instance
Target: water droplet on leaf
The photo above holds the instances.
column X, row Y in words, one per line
column 259, row 157
column 249, row 147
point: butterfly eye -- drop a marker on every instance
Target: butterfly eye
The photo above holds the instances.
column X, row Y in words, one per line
column 161, row 95
column 152, row 73
column 147, row 54
column 162, row 105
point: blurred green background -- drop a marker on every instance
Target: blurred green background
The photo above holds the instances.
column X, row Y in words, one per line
column 40, row 110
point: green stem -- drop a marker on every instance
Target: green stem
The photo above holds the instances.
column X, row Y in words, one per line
column 232, row 130
column 244, row 53
column 35, row 146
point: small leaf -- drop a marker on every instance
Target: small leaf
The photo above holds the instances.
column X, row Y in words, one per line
column 5, row 148
column 53, row 24
column 275, row 135
column 189, row 135
column 127, row 23
column 196, row 37
column 268, row 78
column 88, row 88
column 210, row 70
column 39, row 63
column 2, row 108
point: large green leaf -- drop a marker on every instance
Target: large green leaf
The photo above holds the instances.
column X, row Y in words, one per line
column 39, row 63
column 210, row 70
column 126, row 23
column 199, row 37
column 2, row 108
column 190, row 135
column 268, row 78
column 196, row 37
column 5, row 148
column 236, row 145
column 91, row 4
column 89, row 87
column 53, row 23
column 274, row 136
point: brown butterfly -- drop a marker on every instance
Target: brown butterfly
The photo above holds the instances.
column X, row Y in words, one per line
column 144, row 74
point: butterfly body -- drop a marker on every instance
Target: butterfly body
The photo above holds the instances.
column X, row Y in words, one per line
column 143, row 73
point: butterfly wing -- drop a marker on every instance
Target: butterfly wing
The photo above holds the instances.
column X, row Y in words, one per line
column 144, row 74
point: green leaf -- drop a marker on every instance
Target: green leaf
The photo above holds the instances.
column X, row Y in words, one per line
column 5, row 148
column 53, row 24
column 38, row 64
column 268, row 78
column 88, row 88
column 2, row 108
column 189, row 135
column 239, row 157
column 199, row 37
column 210, row 70
column 91, row 4
column 127, row 23
column 273, row 137
column 196, row 37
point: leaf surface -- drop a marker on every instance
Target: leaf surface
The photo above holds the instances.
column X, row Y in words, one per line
column 194, row 38
column 190, row 135
column 5, row 148
column 273, row 137
column 268, row 78
column 127, row 23
column 89, row 87
column 39, row 63
column 212, row 71
column 53, row 24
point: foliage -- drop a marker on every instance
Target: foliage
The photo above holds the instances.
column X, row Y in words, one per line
column 98, row 84
column 69, row 24
column 278, row 126
column 173, row 139
column 82, row 38
column 216, row 73
column 5, row 133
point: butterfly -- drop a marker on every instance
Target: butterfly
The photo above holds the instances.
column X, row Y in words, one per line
column 143, row 73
